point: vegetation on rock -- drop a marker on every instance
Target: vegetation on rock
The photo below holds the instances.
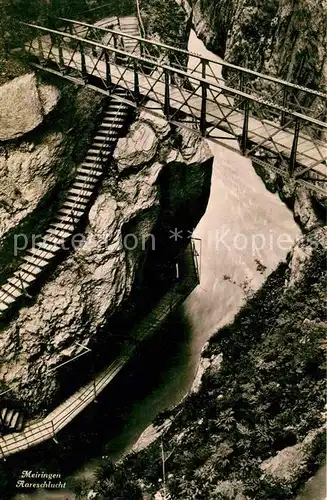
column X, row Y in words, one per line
column 266, row 395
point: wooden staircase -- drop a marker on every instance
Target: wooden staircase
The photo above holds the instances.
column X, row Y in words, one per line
column 130, row 26
column 11, row 420
column 88, row 175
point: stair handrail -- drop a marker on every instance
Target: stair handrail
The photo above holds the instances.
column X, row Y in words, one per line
column 97, row 161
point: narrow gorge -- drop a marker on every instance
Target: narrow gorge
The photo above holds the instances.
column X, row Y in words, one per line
column 225, row 398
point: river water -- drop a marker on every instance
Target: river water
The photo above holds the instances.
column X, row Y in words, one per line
column 245, row 232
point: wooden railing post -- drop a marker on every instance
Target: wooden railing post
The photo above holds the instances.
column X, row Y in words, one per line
column 83, row 63
column 40, row 47
column 108, row 72
column 242, row 85
column 245, row 131
column 115, row 45
column 283, row 115
column 204, row 99
column 61, row 56
column 136, row 83
column 54, row 437
column 294, row 147
column 167, row 94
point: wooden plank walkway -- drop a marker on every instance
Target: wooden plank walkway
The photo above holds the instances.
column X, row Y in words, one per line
column 220, row 112
column 38, row 432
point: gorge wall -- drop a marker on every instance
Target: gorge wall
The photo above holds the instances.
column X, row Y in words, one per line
column 282, row 38
column 157, row 174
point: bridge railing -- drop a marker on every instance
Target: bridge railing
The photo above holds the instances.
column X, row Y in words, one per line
column 298, row 142
column 310, row 102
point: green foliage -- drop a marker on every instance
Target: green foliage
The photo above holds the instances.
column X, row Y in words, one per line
column 115, row 484
column 166, row 20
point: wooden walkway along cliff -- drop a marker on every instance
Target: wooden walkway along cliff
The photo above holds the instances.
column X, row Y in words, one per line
column 38, row 432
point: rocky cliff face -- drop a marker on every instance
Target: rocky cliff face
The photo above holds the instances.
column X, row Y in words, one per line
column 98, row 277
column 27, row 169
column 40, row 122
column 282, row 38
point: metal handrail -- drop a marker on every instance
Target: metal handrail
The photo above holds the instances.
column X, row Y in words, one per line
column 316, row 93
column 98, row 160
column 182, row 73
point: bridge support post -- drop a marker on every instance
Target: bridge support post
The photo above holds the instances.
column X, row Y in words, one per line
column 61, row 57
column 115, row 45
column 136, row 83
column 54, row 434
column 241, row 106
column 294, row 147
column 40, row 47
column 167, row 95
column 83, row 63
column 203, row 118
column 245, row 131
column 283, row 115
column 204, row 99
column 108, row 72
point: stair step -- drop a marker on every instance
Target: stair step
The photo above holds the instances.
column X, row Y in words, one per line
column 53, row 239
column 113, row 118
column 58, row 232
column 16, row 282
column 12, row 414
column 96, row 152
column 87, row 186
column 38, row 261
column 31, row 268
column 91, row 166
column 79, row 193
column 20, row 423
column 72, row 218
column 111, row 113
column 3, row 414
column 70, row 211
column 7, row 417
column 41, row 254
column 88, row 178
column 110, row 125
column 65, row 226
column 103, row 137
column 25, row 276
column 75, row 205
column 8, row 299
column 86, row 171
column 14, row 420
column 103, row 133
column 3, row 306
column 52, row 248
column 13, row 291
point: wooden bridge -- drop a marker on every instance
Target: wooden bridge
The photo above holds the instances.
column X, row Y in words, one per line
column 278, row 124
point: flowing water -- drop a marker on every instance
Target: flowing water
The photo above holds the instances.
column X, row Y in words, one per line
column 245, row 232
